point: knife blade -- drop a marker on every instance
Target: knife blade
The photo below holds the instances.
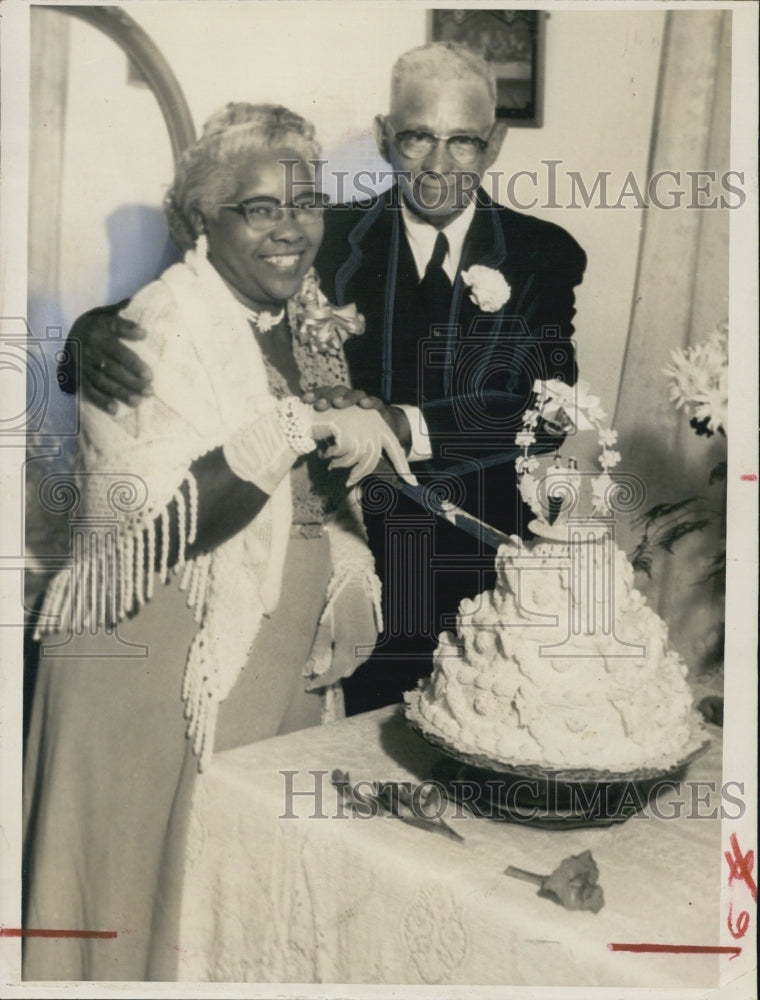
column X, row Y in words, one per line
column 456, row 516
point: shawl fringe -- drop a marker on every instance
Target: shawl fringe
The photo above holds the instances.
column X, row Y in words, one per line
column 112, row 573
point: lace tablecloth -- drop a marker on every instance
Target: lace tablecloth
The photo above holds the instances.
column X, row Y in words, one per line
column 276, row 897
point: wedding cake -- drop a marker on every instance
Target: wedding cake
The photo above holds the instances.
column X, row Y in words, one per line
column 518, row 684
column 563, row 664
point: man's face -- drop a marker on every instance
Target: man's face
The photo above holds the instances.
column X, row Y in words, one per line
column 437, row 183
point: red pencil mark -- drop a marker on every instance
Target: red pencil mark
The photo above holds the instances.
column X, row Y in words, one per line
column 742, row 922
column 677, row 949
column 748, row 477
column 49, row 932
column 741, row 865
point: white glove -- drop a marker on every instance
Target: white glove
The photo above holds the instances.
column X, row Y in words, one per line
column 346, row 635
column 361, row 436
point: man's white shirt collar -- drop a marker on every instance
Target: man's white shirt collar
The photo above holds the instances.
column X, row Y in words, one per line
column 422, row 237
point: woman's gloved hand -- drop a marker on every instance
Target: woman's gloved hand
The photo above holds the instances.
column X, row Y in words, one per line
column 345, row 638
column 360, row 436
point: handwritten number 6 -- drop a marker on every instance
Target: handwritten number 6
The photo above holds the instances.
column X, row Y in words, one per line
column 742, row 923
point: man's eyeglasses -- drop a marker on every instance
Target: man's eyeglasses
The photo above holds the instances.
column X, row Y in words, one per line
column 263, row 213
column 464, row 149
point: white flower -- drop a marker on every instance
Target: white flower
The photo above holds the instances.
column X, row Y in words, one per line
column 583, row 409
column 524, row 439
column 595, row 413
column 488, row 289
column 530, row 418
column 525, row 463
column 608, row 459
column 699, row 379
column 607, row 436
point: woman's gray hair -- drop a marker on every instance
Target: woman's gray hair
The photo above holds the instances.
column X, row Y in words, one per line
column 207, row 172
column 442, row 61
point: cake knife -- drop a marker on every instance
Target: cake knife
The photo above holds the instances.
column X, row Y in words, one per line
column 460, row 518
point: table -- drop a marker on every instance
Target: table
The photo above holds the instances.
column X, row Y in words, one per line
column 282, row 888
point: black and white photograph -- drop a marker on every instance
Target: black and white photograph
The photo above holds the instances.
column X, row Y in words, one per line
column 378, row 572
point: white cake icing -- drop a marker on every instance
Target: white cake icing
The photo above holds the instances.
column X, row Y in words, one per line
column 598, row 701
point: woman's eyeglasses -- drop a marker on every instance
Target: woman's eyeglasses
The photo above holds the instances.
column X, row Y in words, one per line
column 263, row 213
column 464, row 149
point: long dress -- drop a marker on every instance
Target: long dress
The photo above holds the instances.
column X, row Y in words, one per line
column 109, row 772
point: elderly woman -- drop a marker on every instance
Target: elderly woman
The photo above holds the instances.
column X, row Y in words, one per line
column 223, row 582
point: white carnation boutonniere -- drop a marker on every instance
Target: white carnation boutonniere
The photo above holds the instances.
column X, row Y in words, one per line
column 488, row 288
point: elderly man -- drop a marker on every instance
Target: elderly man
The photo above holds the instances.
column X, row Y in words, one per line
column 467, row 303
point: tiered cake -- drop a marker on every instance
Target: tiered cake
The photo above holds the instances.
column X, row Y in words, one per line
column 562, row 665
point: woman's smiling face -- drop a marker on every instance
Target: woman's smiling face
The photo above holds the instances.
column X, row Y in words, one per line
column 266, row 266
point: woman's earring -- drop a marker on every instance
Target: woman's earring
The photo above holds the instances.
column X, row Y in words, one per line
column 201, row 245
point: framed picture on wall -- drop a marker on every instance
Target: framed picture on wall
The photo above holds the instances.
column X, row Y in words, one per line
column 512, row 41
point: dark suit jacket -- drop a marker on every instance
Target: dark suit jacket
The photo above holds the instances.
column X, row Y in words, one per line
column 474, row 370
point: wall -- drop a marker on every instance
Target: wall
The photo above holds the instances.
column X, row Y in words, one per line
column 600, row 87
column 117, row 162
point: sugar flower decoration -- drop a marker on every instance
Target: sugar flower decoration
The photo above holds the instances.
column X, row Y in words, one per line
column 524, row 439
column 575, row 401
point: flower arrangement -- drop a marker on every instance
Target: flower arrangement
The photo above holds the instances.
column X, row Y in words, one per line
column 699, row 382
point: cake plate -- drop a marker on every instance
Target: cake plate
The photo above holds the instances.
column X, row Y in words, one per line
column 550, row 798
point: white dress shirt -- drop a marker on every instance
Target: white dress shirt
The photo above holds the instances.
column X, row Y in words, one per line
column 422, row 237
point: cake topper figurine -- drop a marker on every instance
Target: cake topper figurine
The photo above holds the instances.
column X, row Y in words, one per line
column 563, row 489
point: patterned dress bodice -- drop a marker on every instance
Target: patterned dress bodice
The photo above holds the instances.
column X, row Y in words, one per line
column 291, row 371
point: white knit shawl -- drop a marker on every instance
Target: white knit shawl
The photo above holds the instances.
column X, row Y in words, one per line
column 209, row 381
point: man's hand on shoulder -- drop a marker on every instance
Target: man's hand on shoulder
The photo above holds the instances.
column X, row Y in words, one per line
column 110, row 371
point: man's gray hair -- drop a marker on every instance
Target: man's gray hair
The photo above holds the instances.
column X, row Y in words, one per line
column 442, row 61
column 208, row 171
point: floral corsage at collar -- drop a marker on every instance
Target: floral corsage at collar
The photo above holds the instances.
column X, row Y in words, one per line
column 316, row 323
column 488, row 288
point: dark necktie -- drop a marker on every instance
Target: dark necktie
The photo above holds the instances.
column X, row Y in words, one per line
column 435, row 286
